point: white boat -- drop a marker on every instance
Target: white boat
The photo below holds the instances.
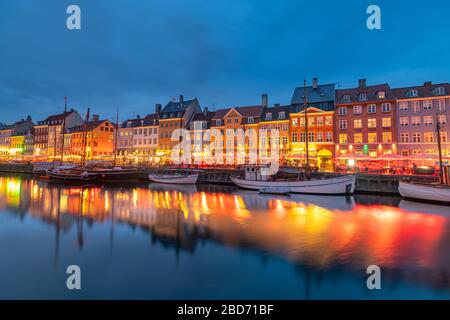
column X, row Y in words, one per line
column 255, row 180
column 174, row 178
column 274, row 190
column 425, row 192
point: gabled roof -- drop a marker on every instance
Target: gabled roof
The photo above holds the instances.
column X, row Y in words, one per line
column 204, row 116
column 424, row 91
column 91, row 125
column 323, row 93
column 371, row 92
column 148, row 120
column 248, row 111
column 179, row 106
column 58, row 117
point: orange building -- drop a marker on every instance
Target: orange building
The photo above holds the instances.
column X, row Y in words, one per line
column 94, row 140
column 320, row 137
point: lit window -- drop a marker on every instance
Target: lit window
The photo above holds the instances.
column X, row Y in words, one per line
column 372, row 137
column 381, row 94
column 358, row 138
column 428, row 137
column 444, row 137
column 294, row 122
column 372, row 123
column 387, row 122
column 387, row 137
column 357, row 123
column 343, row 138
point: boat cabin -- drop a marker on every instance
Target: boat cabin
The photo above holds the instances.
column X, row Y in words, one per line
column 255, row 173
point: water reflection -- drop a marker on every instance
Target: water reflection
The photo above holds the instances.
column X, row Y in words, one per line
column 410, row 241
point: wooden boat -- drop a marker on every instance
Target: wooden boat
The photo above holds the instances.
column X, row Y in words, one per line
column 255, row 180
column 425, row 192
column 174, row 178
column 114, row 174
column 70, row 175
column 333, row 186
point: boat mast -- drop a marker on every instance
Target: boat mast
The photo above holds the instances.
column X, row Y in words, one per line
column 305, row 110
column 63, row 129
column 181, row 138
column 116, row 136
column 441, row 165
column 85, row 138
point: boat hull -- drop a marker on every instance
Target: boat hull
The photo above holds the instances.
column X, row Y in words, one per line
column 116, row 175
column 174, row 179
column 332, row 186
column 422, row 192
column 71, row 177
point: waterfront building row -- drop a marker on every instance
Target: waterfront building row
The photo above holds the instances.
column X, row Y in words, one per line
column 364, row 122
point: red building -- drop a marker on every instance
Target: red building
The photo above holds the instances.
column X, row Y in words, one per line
column 365, row 123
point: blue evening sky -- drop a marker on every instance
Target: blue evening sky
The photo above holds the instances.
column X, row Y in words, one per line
column 133, row 54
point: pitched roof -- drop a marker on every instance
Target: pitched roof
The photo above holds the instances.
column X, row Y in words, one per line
column 58, row 117
column 426, row 90
column 275, row 111
column 204, row 116
column 91, row 125
column 371, row 92
column 248, row 111
column 179, row 106
column 323, row 93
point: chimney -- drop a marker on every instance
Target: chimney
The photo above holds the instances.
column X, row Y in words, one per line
column 181, row 98
column 315, row 83
column 428, row 83
column 362, row 83
column 138, row 117
column 205, row 111
column 95, row 117
column 265, row 100
column 158, row 108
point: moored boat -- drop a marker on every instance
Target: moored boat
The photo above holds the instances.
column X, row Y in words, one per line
column 70, row 175
column 114, row 174
column 333, row 186
column 425, row 192
column 174, row 178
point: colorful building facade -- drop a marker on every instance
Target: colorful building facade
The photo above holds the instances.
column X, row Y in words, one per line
column 365, row 123
column 419, row 109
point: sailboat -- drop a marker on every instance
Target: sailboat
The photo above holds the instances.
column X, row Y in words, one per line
column 254, row 179
column 429, row 192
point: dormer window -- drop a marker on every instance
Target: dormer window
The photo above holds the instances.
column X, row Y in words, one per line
column 251, row 120
column 269, row 116
column 218, row 122
column 439, row 91
column 282, row 115
column 413, row 93
column 346, row 98
column 362, row 97
column 381, row 94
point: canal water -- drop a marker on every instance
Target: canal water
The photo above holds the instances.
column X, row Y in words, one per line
column 209, row 242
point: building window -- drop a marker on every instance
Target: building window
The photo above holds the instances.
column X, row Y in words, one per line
column 404, row 137
column 386, row 107
column 371, row 108
column 372, row 123
column 268, row 116
column 319, row 121
column 343, row 111
column 342, row 124
column 381, row 94
column 282, row 115
column 311, row 121
column 440, row 91
column 311, row 136
column 387, row 137
column 363, row 97
column 252, row 120
column 372, row 137
column 441, row 105
column 428, row 137
column 346, row 98
column 427, row 105
column 444, row 137
column 329, row 121
column 329, row 136
column 236, row 120
column 294, row 122
column 319, row 136
column 404, row 121
column 357, row 123
column 357, row 109
column 416, row 137
column 403, row 106
column 428, row 120
column 415, row 107
column 415, row 121
column 442, row 119
column 413, row 93
column 303, row 137
column 343, row 138
column 387, row 122
column 358, row 138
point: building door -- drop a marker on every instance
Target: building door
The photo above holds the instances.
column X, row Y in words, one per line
column 325, row 160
